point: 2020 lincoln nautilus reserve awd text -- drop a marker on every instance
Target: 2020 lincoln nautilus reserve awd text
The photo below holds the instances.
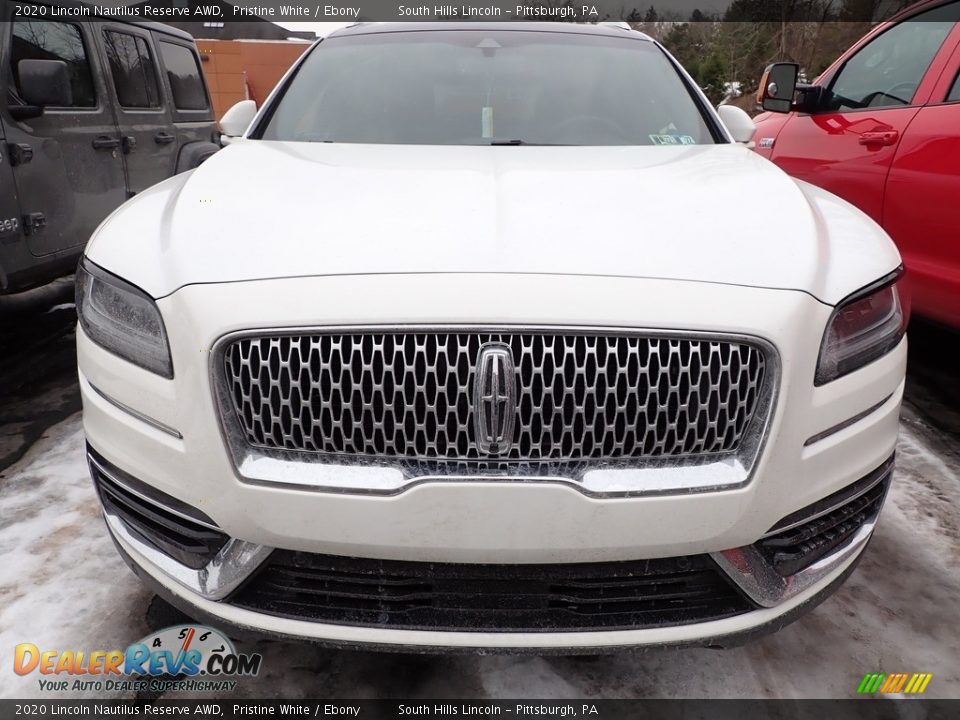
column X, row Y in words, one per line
column 490, row 336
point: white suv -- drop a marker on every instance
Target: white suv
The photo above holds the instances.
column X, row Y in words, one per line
column 383, row 372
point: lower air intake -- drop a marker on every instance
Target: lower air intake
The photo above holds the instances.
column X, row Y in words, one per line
column 190, row 543
column 804, row 543
column 491, row 598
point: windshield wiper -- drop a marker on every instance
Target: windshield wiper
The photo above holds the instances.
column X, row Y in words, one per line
column 524, row 142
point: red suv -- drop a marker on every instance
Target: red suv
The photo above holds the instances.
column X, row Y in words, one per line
column 881, row 128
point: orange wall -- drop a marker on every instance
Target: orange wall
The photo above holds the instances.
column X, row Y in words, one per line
column 236, row 68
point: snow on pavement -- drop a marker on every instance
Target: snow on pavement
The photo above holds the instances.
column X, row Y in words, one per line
column 63, row 586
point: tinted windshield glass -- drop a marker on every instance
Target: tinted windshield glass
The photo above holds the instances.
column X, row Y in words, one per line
column 487, row 87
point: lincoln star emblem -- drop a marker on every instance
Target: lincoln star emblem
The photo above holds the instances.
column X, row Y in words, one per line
column 494, row 399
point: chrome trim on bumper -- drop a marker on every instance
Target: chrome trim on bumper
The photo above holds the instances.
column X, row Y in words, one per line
column 156, row 424
column 762, row 584
column 652, row 480
column 112, row 476
column 390, row 476
column 747, row 567
column 221, row 576
column 841, row 498
column 237, row 560
column 846, row 423
column 724, row 474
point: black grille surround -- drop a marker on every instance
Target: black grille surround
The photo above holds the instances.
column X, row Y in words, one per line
column 190, row 543
column 406, row 396
column 491, row 598
column 796, row 548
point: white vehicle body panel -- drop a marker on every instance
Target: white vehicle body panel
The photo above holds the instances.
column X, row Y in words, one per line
column 483, row 521
column 712, row 213
column 707, row 239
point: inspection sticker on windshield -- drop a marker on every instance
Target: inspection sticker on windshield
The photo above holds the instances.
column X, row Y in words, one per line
column 672, row 140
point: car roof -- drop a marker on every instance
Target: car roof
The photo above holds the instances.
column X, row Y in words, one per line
column 609, row 30
column 145, row 24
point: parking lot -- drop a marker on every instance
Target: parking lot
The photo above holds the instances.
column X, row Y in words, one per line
column 63, row 586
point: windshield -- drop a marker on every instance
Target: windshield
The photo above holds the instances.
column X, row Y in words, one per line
column 482, row 87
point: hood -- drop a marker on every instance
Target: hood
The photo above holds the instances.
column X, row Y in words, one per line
column 717, row 214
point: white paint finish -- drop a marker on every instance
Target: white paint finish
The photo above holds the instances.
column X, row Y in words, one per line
column 442, row 521
column 738, row 123
column 237, row 119
column 717, row 214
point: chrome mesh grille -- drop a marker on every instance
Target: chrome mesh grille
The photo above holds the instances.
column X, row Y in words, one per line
column 409, row 395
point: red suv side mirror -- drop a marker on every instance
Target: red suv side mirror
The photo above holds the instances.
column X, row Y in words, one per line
column 777, row 87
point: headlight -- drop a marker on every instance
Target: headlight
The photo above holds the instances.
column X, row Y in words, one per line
column 122, row 319
column 865, row 326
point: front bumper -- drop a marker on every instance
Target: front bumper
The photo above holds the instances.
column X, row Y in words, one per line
column 422, row 605
column 479, row 521
column 721, row 634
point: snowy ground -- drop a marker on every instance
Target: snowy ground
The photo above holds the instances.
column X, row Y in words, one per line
column 62, row 586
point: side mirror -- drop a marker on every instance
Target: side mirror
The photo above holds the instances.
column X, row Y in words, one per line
column 740, row 125
column 237, row 119
column 777, row 87
column 45, row 82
